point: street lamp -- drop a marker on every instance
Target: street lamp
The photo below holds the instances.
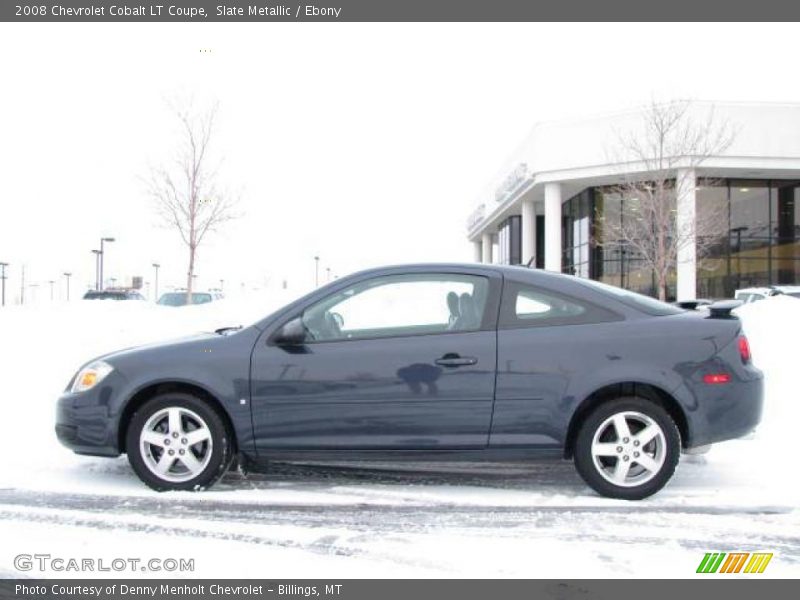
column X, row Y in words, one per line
column 67, row 275
column 102, row 257
column 156, row 266
column 97, row 269
column 316, row 271
column 3, row 266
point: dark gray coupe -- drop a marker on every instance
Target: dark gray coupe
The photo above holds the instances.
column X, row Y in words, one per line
column 429, row 362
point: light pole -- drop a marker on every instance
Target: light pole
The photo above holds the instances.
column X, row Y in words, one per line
column 328, row 273
column 156, row 266
column 102, row 257
column 97, row 269
column 3, row 266
column 52, row 283
column 67, row 275
column 316, row 271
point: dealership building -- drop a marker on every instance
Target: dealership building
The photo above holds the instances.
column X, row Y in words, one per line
column 547, row 206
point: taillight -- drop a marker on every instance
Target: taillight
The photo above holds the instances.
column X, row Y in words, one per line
column 744, row 349
column 716, row 378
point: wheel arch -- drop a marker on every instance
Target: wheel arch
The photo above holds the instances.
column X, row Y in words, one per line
column 647, row 391
column 162, row 387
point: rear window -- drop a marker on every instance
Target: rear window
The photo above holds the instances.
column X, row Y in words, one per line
column 646, row 304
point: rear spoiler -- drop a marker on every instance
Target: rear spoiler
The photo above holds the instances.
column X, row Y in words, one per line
column 723, row 308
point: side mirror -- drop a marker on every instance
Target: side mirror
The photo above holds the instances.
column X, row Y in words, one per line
column 292, row 333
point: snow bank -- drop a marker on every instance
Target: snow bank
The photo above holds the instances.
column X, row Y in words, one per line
column 772, row 327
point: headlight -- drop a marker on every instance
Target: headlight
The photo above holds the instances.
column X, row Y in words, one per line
column 90, row 375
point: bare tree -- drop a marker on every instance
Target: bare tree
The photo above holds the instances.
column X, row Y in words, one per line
column 186, row 191
column 661, row 158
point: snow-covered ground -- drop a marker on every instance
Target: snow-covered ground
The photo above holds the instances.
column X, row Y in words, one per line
column 477, row 520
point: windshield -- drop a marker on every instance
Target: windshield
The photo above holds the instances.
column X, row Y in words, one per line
column 646, row 304
column 104, row 296
column 179, row 298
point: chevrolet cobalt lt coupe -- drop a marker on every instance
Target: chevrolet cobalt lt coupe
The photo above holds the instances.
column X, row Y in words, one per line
column 429, row 362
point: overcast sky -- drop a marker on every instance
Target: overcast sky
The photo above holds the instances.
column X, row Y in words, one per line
column 364, row 143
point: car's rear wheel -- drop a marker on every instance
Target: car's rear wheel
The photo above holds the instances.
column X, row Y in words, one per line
column 627, row 448
column 177, row 441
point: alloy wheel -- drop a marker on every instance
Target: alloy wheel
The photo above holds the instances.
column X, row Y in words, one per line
column 628, row 449
column 176, row 444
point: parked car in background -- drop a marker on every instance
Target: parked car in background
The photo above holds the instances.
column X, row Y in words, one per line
column 448, row 361
column 754, row 294
column 113, row 294
column 180, row 299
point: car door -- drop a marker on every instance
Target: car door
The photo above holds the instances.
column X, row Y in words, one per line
column 387, row 362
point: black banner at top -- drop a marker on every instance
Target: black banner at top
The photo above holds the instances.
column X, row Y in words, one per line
column 199, row 11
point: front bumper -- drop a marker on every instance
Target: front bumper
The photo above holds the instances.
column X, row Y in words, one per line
column 88, row 422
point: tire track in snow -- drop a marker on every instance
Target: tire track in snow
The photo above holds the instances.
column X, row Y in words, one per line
column 366, row 521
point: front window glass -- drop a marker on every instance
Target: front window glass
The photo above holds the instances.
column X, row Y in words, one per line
column 400, row 305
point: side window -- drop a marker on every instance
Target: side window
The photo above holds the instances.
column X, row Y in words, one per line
column 400, row 305
column 526, row 306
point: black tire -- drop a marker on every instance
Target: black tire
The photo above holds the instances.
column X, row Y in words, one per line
column 667, row 445
column 192, row 410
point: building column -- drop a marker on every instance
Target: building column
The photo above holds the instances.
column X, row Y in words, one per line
column 477, row 251
column 486, row 248
column 528, row 231
column 685, row 187
column 552, row 227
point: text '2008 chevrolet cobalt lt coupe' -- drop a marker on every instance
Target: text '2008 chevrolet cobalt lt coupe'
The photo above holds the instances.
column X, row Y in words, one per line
column 429, row 362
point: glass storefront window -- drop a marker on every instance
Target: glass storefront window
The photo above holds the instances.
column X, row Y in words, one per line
column 749, row 215
column 748, row 235
column 576, row 231
column 763, row 238
column 785, row 226
column 509, row 241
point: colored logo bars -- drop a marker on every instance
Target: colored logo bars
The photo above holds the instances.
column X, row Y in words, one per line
column 713, row 562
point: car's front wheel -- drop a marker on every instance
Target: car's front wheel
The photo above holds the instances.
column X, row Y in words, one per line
column 177, row 441
column 627, row 448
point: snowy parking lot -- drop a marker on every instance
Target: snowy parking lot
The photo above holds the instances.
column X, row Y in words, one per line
column 376, row 520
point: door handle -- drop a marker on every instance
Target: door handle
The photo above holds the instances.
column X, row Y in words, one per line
column 454, row 360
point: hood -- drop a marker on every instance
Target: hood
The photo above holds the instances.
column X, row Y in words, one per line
column 160, row 349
